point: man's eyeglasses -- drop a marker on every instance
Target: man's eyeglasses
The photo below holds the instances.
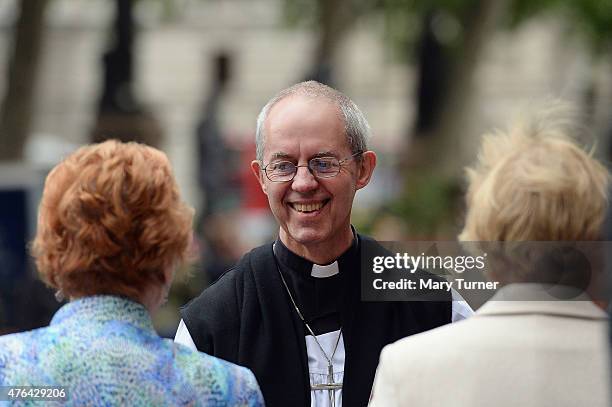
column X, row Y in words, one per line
column 322, row 167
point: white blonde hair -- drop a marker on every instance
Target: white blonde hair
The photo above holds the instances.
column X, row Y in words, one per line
column 536, row 182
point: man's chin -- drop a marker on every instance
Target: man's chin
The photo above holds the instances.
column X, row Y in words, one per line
column 306, row 236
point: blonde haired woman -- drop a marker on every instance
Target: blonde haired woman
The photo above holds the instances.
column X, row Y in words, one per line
column 531, row 183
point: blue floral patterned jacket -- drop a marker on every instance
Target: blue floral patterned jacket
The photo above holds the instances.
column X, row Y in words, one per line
column 105, row 352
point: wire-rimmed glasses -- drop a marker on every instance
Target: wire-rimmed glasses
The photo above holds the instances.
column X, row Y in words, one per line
column 320, row 167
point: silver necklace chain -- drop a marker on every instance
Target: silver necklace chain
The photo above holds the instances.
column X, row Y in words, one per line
column 297, row 309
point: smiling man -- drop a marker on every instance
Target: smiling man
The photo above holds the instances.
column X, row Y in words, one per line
column 291, row 310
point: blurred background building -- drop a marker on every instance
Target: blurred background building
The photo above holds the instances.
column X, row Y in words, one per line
column 189, row 76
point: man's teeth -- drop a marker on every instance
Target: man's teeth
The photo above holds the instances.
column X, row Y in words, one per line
column 307, row 207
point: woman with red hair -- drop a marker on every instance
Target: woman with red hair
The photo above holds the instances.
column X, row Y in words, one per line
column 112, row 230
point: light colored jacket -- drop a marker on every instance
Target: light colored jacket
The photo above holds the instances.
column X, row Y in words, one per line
column 510, row 353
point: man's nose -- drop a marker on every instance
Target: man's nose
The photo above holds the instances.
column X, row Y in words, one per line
column 304, row 180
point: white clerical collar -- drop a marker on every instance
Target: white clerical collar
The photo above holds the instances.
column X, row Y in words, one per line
column 327, row 270
column 295, row 262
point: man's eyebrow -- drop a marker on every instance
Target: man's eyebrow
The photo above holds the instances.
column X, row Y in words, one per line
column 324, row 154
column 280, row 154
column 285, row 156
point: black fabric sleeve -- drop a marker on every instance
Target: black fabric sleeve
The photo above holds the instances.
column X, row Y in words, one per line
column 213, row 317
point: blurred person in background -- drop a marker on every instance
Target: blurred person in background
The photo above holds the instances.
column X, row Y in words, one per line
column 291, row 310
column 527, row 346
column 112, row 230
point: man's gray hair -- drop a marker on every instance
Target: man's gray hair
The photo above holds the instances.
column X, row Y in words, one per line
column 356, row 126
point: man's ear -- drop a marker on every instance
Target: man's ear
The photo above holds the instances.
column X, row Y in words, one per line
column 365, row 167
column 258, row 172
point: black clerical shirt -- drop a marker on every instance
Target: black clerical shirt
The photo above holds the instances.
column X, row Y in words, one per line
column 246, row 317
column 317, row 298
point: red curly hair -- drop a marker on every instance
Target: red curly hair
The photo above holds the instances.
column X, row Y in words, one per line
column 111, row 221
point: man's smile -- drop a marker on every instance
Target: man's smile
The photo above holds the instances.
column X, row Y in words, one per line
column 308, row 207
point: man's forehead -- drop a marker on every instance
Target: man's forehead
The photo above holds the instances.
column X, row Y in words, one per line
column 299, row 123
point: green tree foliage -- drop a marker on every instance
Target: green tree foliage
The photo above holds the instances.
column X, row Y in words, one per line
column 404, row 22
column 590, row 18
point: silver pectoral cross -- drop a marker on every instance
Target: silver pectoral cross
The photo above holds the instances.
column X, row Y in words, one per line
column 330, row 386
